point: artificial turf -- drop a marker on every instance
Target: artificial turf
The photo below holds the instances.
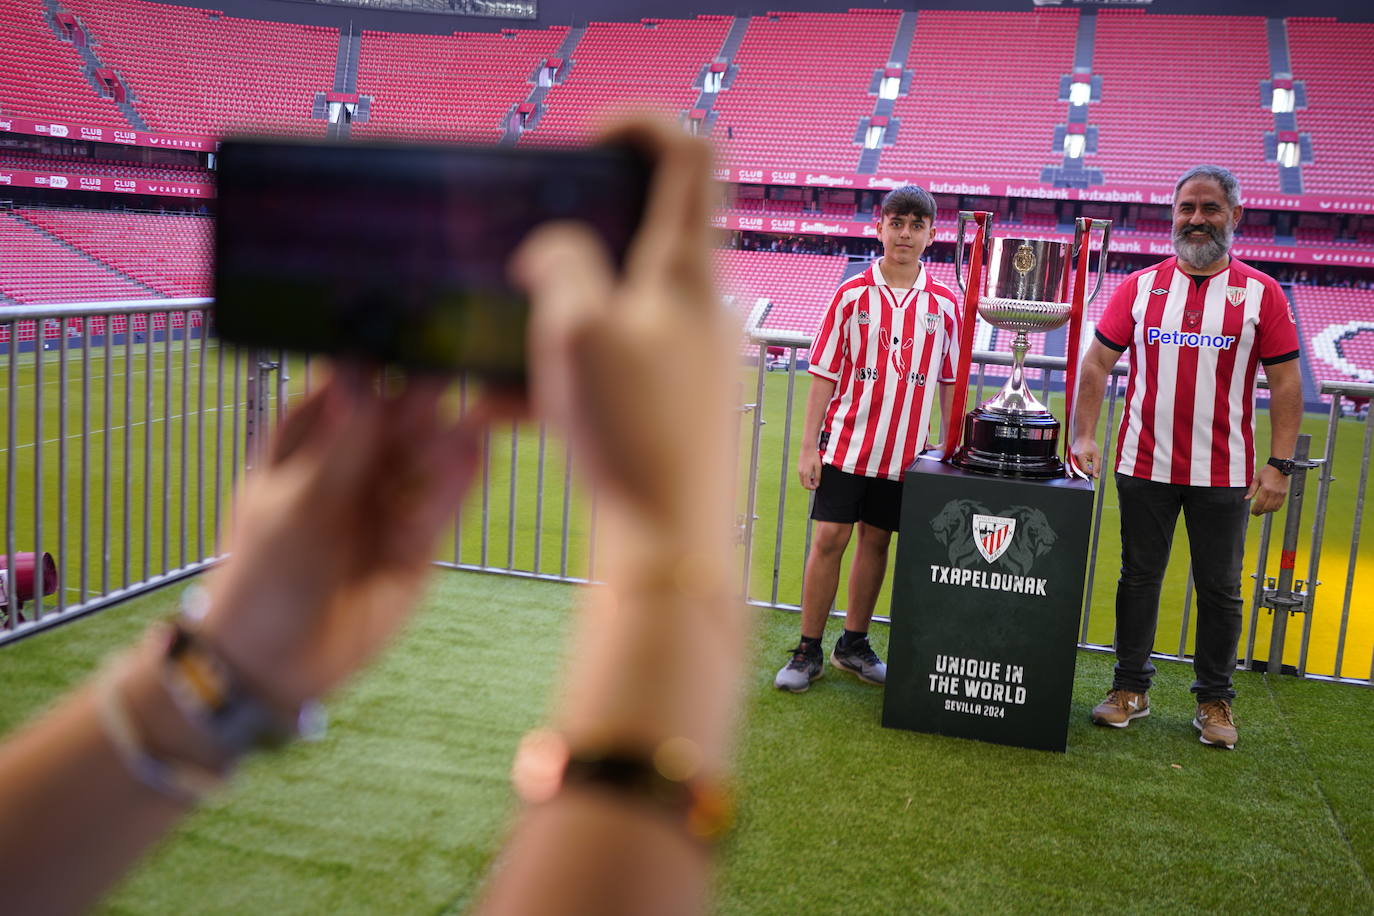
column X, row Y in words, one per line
column 402, row 806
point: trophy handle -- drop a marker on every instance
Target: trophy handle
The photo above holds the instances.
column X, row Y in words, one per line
column 1083, row 228
column 982, row 218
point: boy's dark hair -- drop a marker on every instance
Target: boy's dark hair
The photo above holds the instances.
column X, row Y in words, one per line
column 909, row 200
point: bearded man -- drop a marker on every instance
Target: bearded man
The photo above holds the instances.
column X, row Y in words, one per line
column 1197, row 326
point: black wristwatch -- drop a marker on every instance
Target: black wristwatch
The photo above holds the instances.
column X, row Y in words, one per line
column 1285, row 465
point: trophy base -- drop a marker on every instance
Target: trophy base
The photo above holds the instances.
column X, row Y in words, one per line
column 1010, row 445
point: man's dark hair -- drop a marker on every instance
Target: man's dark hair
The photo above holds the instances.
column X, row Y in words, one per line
column 909, row 200
column 1229, row 185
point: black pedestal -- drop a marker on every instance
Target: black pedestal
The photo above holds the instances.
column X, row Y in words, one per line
column 987, row 591
column 1011, row 445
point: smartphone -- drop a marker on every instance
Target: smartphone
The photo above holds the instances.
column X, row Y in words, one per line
column 398, row 254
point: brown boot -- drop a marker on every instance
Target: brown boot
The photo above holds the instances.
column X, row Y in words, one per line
column 1120, row 707
column 1215, row 724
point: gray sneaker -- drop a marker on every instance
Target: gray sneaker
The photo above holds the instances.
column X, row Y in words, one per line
column 860, row 659
column 798, row 673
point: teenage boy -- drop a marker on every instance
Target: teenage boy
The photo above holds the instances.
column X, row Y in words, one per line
column 888, row 335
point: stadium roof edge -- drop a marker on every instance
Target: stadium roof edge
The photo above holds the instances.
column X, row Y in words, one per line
column 580, row 12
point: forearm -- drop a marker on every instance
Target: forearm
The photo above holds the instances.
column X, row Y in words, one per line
column 1092, row 388
column 946, row 405
column 640, row 672
column 817, row 400
column 72, row 816
column 659, row 654
column 591, row 852
column 1285, row 414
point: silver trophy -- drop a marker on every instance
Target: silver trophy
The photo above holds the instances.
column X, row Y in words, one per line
column 1023, row 288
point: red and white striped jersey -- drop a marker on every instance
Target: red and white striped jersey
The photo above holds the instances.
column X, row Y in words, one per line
column 884, row 349
column 1190, row 399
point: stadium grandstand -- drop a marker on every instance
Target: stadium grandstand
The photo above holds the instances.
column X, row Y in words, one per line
column 129, row 429
column 110, row 110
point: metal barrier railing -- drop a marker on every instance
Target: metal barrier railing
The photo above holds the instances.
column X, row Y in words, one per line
column 112, row 501
column 133, row 491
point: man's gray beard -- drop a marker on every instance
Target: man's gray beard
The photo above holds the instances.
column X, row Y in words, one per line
column 1203, row 253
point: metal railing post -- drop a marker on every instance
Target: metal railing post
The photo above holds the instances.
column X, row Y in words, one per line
column 747, row 523
column 1282, row 600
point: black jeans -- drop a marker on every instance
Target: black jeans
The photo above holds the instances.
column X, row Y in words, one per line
column 1216, row 518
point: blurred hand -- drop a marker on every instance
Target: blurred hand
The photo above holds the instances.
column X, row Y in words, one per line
column 1267, row 491
column 331, row 542
column 638, row 370
column 1087, row 455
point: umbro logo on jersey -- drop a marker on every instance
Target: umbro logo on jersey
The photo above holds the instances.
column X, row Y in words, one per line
column 1159, row 292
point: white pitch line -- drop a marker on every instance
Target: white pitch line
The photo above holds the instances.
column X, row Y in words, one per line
column 101, row 430
column 137, row 370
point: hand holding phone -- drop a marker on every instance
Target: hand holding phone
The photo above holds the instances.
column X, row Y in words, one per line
column 398, row 255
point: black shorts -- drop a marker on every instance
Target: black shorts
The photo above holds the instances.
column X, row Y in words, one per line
column 848, row 498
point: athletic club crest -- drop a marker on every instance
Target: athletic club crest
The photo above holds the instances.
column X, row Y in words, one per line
column 932, row 322
column 992, row 535
column 969, row 530
column 1235, row 294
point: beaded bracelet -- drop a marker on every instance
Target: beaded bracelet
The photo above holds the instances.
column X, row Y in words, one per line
column 182, row 782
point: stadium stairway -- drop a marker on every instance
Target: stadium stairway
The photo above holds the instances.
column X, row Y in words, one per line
column 706, row 100
column 153, row 293
column 906, row 28
column 346, row 63
column 345, row 80
column 730, row 47
column 94, row 63
column 1074, row 171
column 536, row 96
column 1280, row 67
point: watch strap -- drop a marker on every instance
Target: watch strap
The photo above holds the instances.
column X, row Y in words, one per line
column 210, row 693
column 666, row 778
column 1285, row 465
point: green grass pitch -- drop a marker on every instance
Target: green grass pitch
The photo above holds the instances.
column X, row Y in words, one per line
column 403, row 805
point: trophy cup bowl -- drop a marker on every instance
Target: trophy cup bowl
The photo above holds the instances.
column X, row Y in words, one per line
column 1012, row 434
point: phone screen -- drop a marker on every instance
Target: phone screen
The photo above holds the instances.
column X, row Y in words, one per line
column 399, row 254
